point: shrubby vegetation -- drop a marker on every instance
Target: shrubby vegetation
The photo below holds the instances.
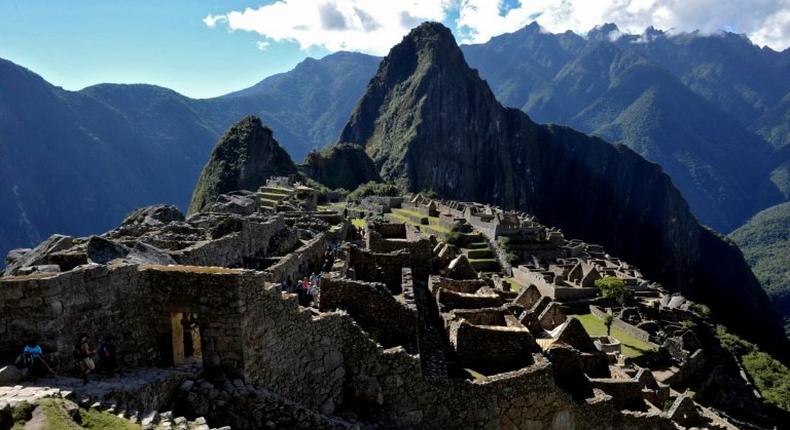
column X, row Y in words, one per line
column 612, row 288
column 430, row 194
column 374, row 189
column 764, row 241
column 771, row 377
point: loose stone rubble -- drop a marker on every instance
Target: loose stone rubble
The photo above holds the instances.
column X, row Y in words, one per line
column 416, row 323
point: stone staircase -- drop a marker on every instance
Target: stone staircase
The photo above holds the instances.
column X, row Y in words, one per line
column 134, row 395
column 152, row 420
column 480, row 254
column 272, row 197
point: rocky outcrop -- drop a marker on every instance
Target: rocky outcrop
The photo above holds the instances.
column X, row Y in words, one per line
column 342, row 165
column 101, row 251
column 40, row 255
column 243, row 159
column 429, row 122
column 154, row 215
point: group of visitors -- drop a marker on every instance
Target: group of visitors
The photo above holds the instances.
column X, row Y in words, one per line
column 306, row 289
column 106, row 353
column 33, row 363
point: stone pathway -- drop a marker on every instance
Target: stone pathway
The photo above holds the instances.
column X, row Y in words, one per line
column 98, row 388
column 147, row 385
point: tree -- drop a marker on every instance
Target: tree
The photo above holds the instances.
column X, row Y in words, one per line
column 429, row 194
column 611, row 287
column 608, row 319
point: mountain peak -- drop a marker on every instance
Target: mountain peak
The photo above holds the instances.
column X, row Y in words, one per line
column 608, row 31
column 243, row 159
column 429, row 41
column 426, row 66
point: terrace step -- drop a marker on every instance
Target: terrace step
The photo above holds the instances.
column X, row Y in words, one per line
column 485, row 265
column 479, row 254
column 477, row 245
column 275, row 190
column 272, row 196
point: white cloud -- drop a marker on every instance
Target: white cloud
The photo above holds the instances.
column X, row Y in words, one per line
column 262, row 45
column 371, row 26
column 212, row 20
column 766, row 22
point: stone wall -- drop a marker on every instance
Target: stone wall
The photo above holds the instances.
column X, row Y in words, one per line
column 326, row 362
column 238, row 248
column 379, row 267
column 374, row 308
column 58, row 308
column 451, row 300
column 622, row 325
column 492, row 347
column 306, row 259
column 559, row 293
column 470, row 286
column 134, row 304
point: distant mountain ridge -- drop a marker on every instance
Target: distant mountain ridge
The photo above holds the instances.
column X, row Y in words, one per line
column 131, row 145
column 78, row 162
column 671, row 98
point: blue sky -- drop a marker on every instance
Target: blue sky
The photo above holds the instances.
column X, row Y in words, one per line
column 207, row 48
column 81, row 43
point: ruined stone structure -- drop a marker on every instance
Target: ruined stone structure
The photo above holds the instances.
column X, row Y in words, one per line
column 394, row 335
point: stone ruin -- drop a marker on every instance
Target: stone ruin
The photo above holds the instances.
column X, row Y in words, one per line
column 403, row 331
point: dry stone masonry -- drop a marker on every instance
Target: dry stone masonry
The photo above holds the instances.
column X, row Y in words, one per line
column 398, row 328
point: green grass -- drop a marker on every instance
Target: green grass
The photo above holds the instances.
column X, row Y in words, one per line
column 55, row 417
column 475, row 374
column 359, row 222
column 93, row 419
column 411, row 212
column 406, row 220
column 514, row 285
column 631, row 346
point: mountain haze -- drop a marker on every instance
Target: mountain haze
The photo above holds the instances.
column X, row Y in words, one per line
column 429, row 122
column 77, row 162
column 672, row 99
column 703, row 116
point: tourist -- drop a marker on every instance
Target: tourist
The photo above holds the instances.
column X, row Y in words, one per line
column 32, row 359
column 83, row 356
column 108, row 361
column 304, row 287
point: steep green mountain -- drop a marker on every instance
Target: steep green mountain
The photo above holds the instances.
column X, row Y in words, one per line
column 243, row 159
column 738, row 77
column 77, row 162
column 111, row 148
column 765, row 242
column 774, row 125
column 632, row 90
column 342, row 165
column 428, row 121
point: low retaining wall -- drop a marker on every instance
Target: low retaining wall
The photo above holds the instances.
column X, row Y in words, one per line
column 308, row 258
column 617, row 323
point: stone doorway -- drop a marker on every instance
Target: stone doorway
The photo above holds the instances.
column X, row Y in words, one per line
column 185, row 332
